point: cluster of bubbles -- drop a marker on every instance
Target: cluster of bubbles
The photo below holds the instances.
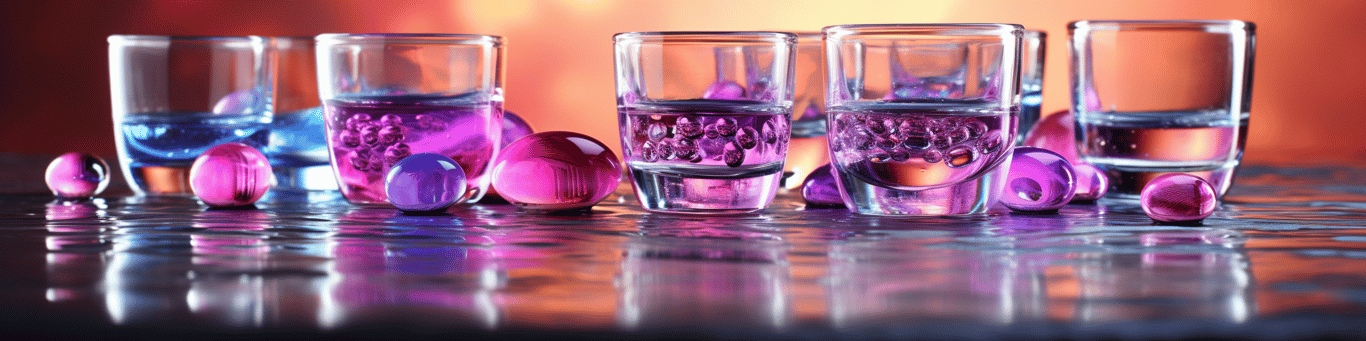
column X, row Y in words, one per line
column 371, row 145
column 693, row 138
column 878, row 138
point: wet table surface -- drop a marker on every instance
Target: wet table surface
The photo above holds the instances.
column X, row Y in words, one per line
column 1284, row 257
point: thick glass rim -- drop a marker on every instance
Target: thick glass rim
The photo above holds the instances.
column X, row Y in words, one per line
column 120, row 38
column 973, row 29
column 1131, row 25
column 705, row 37
column 408, row 38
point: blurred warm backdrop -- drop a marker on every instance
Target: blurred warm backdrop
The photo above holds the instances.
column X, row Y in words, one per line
column 1308, row 98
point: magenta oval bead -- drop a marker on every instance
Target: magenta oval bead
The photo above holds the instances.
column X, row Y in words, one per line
column 1178, row 197
column 820, row 188
column 1039, row 180
column 1055, row 132
column 424, row 182
column 555, row 171
column 77, row 175
column 1092, row 183
column 230, row 174
column 514, row 127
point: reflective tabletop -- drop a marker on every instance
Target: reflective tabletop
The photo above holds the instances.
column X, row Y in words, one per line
column 1283, row 257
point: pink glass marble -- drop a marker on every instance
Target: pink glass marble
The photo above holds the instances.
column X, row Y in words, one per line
column 724, row 90
column 230, row 174
column 820, row 189
column 556, row 171
column 77, row 175
column 424, row 182
column 1092, row 183
column 514, row 127
column 1178, row 198
column 1056, row 132
column 1039, row 180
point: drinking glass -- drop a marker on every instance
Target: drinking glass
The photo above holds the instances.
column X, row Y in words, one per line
column 923, row 116
column 297, row 146
column 174, row 97
column 1031, row 81
column 705, row 117
column 1158, row 97
column 387, row 96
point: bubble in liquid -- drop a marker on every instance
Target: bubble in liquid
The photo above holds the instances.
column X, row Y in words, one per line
column 1178, row 198
column 647, row 152
column 733, row 155
column 423, row 122
column 820, row 189
column 77, row 175
column 390, row 120
column 1092, row 183
column 349, row 139
column 230, row 174
column 358, row 121
column 933, row 156
column 688, row 125
column 686, row 149
column 960, row 156
column 726, row 126
column 664, row 150
column 556, row 170
column 991, row 142
column 390, row 135
column 747, row 138
column 859, row 139
column 770, row 132
column 724, row 90
column 397, row 152
column 711, row 132
column 514, row 127
column 237, row 103
column 657, row 131
column 369, row 135
column 1039, row 180
column 424, row 182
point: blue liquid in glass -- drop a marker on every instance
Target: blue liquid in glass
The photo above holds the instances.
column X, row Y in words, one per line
column 173, row 140
column 298, row 139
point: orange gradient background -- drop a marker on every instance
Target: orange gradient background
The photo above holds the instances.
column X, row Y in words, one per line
column 1307, row 102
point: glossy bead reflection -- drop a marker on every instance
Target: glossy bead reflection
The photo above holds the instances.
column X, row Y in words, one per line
column 77, row 175
column 1092, row 183
column 820, row 190
column 1039, row 180
column 236, row 103
column 556, row 170
column 1055, row 132
column 1178, row 198
column 424, row 182
column 230, row 174
column 514, row 127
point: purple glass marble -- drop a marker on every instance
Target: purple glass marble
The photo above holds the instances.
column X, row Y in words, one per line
column 1091, row 182
column 1056, row 132
column 556, row 171
column 1039, row 180
column 425, row 182
column 820, row 189
column 724, row 90
column 230, row 174
column 236, row 103
column 1178, row 198
column 77, row 175
column 514, row 127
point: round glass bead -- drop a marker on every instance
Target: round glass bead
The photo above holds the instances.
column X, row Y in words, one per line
column 77, row 175
column 514, row 127
column 424, row 182
column 1177, row 198
column 1039, row 180
column 555, row 171
column 237, row 103
column 1091, row 182
column 230, row 174
column 724, row 90
column 820, row 189
column 1055, row 132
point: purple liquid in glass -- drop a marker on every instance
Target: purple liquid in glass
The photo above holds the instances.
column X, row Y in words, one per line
column 368, row 135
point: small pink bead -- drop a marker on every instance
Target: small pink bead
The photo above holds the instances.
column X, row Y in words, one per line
column 724, row 90
column 1055, row 132
column 230, row 174
column 1039, row 180
column 1092, row 183
column 1177, row 198
column 77, row 175
column 555, row 171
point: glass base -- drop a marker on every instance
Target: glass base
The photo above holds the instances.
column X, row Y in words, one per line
column 1126, row 184
column 970, row 197
column 307, row 178
column 665, row 193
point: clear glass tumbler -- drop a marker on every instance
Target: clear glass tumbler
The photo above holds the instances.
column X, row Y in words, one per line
column 387, row 96
column 922, row 117
column 298, row 145
column 1031, row 81
column 704, row 117
column 1158, row 97
column 174, row 97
